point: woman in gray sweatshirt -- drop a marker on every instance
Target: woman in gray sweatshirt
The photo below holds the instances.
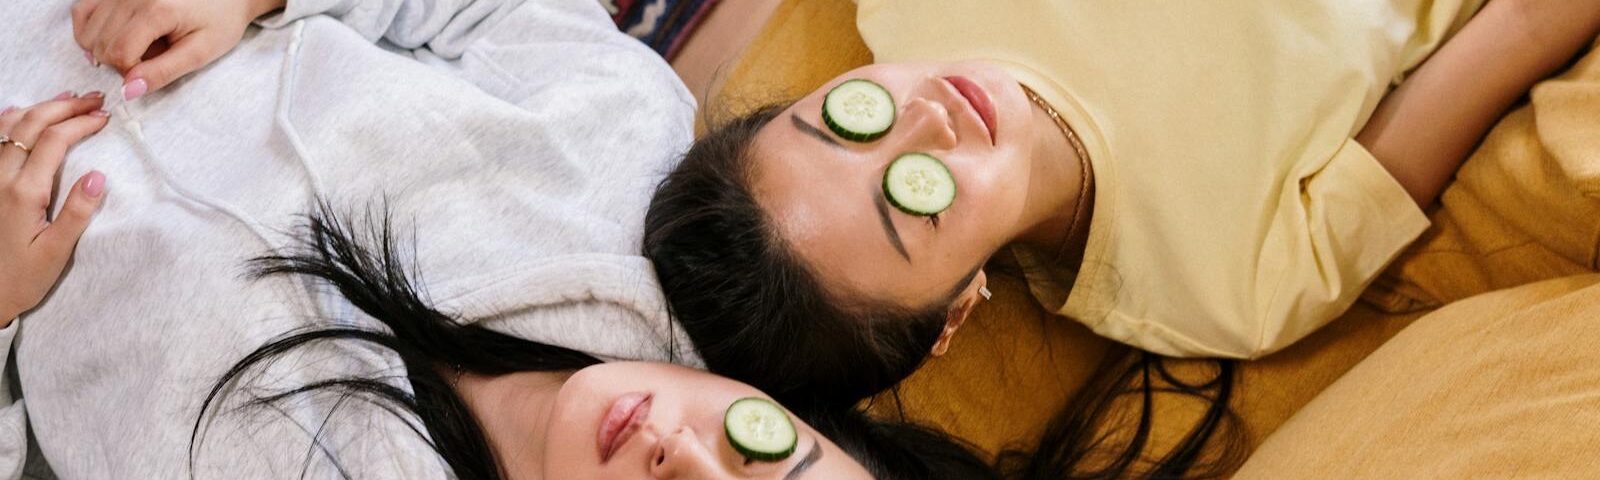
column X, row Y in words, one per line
column 517, row 143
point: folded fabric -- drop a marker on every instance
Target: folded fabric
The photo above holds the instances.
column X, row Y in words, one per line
column 1524, row 207
column 1497, row 386
column 662, row 24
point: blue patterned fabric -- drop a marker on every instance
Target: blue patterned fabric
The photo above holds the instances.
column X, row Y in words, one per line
column 661, row 24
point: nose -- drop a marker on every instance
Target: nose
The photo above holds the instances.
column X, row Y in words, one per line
column 927, row 126
column 681, row 455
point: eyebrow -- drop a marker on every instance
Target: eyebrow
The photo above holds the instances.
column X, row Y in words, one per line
column 806, row 463
column 888, row 225
column 813, row 131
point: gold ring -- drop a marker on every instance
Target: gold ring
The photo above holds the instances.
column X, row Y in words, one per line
column 18, row 144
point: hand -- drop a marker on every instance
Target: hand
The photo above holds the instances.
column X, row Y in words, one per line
column 155, row 42
column 33, row 248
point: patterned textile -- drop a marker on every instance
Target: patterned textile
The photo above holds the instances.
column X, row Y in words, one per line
column 661, row 24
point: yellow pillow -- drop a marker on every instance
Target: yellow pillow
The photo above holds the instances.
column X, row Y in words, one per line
column 1501, row 385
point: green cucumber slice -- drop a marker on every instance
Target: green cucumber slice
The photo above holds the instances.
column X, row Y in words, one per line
column 760, row 430
column 858, row 110
column 919, row 184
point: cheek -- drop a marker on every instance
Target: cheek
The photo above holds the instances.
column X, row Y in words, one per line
column 996, row 181
column 569, row 450
column 992, row 192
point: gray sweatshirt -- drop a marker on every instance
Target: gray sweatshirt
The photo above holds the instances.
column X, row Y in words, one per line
column 516, row 143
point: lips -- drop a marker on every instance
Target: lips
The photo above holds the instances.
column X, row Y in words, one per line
column 622, row 420
column 976, row 98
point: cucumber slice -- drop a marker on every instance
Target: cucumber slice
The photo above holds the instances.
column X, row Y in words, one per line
column 919, row 184
column 858, row 110
column 760, row 430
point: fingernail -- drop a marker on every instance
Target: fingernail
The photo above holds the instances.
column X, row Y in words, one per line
column 95, row 185
column 134, row 89
column 64, row 95
column 8, row 110
column 100, row 113
column 90, row 57
column 95, row 94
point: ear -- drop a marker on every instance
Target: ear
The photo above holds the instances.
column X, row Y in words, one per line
column 958, row 313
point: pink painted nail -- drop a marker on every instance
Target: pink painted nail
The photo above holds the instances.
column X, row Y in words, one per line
column 100, row 113
column 95, row 185
column 8, row 110
column 90, row 57
column 134, row 89
column 64, row 95
column 94, row 94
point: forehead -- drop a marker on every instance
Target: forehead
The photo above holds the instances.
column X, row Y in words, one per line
column 822, row 201
column 818, row 198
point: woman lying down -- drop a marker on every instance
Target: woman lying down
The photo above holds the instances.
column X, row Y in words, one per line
column 206, row 327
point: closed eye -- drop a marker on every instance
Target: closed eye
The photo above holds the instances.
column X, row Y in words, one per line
column 814, row 131
column 889, row 230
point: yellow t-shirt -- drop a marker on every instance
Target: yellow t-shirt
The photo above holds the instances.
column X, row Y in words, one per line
column 1234, row 213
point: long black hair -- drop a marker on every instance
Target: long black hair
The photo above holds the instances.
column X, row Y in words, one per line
column 757, row 313
column 1099, row 435
column 368, row 271
column 753, row 309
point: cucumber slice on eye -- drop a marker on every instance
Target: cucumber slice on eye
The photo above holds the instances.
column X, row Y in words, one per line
column 919, row 184
column 760, row 430
column 858, row 110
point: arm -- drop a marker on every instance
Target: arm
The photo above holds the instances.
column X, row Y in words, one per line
column 34, row 248
column 1423, row 130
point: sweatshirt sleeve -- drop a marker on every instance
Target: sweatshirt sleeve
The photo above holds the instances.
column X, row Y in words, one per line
column 444, row 26
column 13, row 417
column 511, row 48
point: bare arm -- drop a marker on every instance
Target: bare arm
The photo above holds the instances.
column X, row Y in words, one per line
column 1425, row 128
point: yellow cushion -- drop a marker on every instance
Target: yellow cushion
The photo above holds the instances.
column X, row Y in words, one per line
column 1521, row 209
column 1501, row 385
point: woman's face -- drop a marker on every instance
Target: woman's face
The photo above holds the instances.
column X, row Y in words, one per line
column 825, row 193
column 667, row 422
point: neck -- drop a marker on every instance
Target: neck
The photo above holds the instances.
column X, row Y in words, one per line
column 1060, row 194
column 514, row 412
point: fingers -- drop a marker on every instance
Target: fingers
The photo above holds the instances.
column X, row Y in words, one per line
column 26, row 125
column 81, row 12
column 35, row 119
column 41, row 166
column 100, row 22
column 125, row 46
column 185, row 56
column 9, row 118
column 58, row 239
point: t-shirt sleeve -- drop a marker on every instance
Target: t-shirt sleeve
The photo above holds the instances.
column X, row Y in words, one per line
column 1334, row 231
column 1331, row 231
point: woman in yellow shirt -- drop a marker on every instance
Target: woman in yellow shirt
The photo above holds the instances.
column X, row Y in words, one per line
column 1208, row 179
